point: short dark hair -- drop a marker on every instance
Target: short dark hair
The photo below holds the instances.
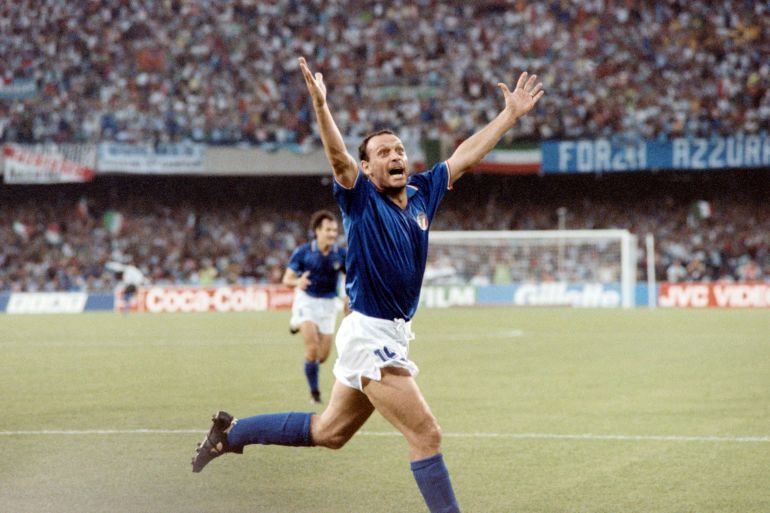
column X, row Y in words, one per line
column 318, row 218
column 362, row 155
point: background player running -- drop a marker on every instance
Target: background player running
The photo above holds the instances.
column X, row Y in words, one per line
column 314, row 271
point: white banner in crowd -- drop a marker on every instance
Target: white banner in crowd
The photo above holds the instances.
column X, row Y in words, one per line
column 182, row 158
column 17, row 89
column 49, row 163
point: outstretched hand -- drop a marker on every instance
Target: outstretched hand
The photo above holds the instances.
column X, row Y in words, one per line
column 315, row 83
column 528, row 91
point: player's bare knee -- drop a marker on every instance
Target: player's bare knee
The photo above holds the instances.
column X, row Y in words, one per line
column 337, row 441
column 331, row 440
column 431, row 437
column 324, row 435
column 427, row 438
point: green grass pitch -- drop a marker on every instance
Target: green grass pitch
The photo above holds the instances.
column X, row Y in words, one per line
column 543, row 410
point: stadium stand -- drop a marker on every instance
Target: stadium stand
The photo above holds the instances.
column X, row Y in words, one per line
column 225, row 72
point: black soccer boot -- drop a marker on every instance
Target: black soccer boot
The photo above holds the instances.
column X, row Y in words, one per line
column 215, row 443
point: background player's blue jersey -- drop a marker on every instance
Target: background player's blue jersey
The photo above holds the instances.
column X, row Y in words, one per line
column 324, row 269
column 387, row 246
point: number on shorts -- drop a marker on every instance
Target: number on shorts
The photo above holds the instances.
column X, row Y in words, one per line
column 385, row 354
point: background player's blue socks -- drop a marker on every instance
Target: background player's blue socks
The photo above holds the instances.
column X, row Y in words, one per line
column 272, row 429
column 311, row 372
column 432, row 478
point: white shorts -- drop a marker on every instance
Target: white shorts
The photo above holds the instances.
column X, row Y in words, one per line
column 367, row 344
column 321, row 311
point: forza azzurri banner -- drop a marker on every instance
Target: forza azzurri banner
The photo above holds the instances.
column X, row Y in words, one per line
column 604, row 155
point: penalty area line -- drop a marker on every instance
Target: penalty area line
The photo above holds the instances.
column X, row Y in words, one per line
column 480, row 435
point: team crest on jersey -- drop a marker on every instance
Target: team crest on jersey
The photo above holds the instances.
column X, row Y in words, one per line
column 337, row 265
column 422, row 221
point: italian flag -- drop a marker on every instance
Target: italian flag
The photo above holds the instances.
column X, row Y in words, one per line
column 522, row 159
column 113, row 221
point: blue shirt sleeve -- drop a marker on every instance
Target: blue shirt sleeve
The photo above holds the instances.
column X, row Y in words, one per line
column 297, row 260
column 432, row 185
column 351, row 201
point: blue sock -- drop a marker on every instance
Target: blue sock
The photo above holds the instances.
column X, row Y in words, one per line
column 272, row 429
column 311, row 372
column 432, row 478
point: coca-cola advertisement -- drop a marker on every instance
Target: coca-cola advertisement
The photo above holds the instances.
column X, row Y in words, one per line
column 235, row 298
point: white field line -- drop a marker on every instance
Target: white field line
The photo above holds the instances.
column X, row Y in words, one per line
column 510, row 436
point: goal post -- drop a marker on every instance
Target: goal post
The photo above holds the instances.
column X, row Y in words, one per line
column 539, row 267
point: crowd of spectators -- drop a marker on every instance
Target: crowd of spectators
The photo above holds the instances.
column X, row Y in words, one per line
column 67, row 246
column 225, row 71
column 243, row 231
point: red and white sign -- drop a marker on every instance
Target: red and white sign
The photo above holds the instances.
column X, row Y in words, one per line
column 719, row 295
column 234, row 298
column 49, row 164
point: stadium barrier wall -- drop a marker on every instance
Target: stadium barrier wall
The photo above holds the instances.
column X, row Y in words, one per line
column 235, row 298
column 666, row 295
column 32, row 163
column 714, row 295
column 55, row 302
column 261, row 298
column 59, row 163
column 587, row 295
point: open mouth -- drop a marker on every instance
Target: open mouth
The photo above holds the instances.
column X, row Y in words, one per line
column 399, row 171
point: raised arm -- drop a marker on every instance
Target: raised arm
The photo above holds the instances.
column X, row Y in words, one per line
column 517, row 103
column 343, row 164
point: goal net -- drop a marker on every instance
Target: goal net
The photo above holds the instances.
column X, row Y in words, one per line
column 590, row 268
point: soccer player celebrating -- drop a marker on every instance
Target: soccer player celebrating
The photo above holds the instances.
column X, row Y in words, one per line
column 386, row 213
column 313, row 271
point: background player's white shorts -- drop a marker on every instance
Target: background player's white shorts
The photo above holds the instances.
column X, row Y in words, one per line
column 367, row 344
column 321, row 311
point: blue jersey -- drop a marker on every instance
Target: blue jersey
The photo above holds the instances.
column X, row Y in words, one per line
column 387, row 246
column 324, row 269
